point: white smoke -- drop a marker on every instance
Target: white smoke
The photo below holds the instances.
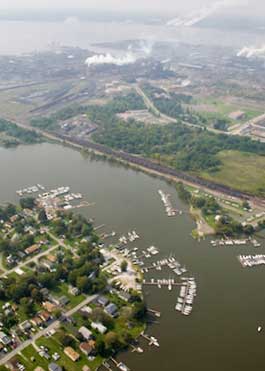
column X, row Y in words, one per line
column 204, row 12
column 130, row 57
column 252, row 52
column 71, row 21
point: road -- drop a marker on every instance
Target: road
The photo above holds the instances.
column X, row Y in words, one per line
column 54, row 325
column 150, row 105
column 33, row 259
column 38, row 256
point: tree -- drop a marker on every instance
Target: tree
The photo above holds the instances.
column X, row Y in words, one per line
column 245, row 205
column 42, row 216
column 36, row 295
column 112, row 341
column 139, row 310
column 101, row 348
column 83, row 283
column 27, row 307
column 27, row 203
column 65, row 340
column 124, row 265
column 57, row 313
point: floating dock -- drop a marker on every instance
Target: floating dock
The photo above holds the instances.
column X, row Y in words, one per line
column 249, row 261
column 170, row 210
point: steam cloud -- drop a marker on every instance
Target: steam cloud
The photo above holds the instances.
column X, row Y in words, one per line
column 144, row 50
column 197, row 16
column 128, row 58
column 252, row 52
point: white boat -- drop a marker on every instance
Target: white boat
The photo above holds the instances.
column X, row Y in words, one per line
column 259, row 329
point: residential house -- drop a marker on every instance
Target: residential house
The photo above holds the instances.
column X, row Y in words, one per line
column 99, row 327
column 73, row 291
column 85, row 332
column 54, row 367
column 111, row 309
column 72, row 354
column 25, row 326
column 103, row 301
column 36, row 321
column 45, row 292
column 62, row 301
column 45, row 316
column 50, row 307
column 32, row 249
column 4, row 339
column 86, row 348
column 52, row 258
column 86, row 310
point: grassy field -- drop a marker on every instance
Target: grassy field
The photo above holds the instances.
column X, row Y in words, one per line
column 243, row 171
column 54, row 346
column 218, row 108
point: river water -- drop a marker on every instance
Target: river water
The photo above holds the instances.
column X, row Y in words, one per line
column 26, row 37
column 221, row 334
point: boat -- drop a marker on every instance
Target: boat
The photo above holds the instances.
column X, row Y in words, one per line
column 259, row 329
column 123, row 367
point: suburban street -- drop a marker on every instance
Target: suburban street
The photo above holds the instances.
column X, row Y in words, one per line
column 54, row 325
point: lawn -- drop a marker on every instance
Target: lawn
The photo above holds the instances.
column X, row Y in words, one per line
column 27, row 356
column 243, row 171
column 54, row 346
column 62, row 290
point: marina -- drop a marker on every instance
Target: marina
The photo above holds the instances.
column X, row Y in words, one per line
column 162, row 282
column 212, row 268
column 249, row 261
column 170, row 263
column 60, row 198
column 235, row 242
column 30, row 190
column 188, row 292
column 170, row 210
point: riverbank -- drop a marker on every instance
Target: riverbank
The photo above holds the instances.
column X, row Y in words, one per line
column 203, row 228
column 144, row 164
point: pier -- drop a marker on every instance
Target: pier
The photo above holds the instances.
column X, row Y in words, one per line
column 151, row 340
column 121, row 366
column 99, row 227
column 155, row 312
column 170, row 211
column 249, row 261
column 167, row 262
column 237, row 242
column 186, row 297
column 163, row 282
column 106, row 365
column 136, row 349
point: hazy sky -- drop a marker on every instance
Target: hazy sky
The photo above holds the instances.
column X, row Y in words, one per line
column 151, row 5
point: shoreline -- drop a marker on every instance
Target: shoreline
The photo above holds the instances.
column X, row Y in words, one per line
column 147, row 166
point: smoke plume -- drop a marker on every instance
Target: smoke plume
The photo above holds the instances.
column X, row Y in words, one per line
column 200, row 14
column 252, row 52
column 143, row 50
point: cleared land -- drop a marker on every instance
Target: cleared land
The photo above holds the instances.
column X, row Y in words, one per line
column 221, row 107
column 243, row 171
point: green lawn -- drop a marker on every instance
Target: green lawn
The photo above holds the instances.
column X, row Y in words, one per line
column 27, row 355
column 243, row 171
column 54, row 346
column 62, row 290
